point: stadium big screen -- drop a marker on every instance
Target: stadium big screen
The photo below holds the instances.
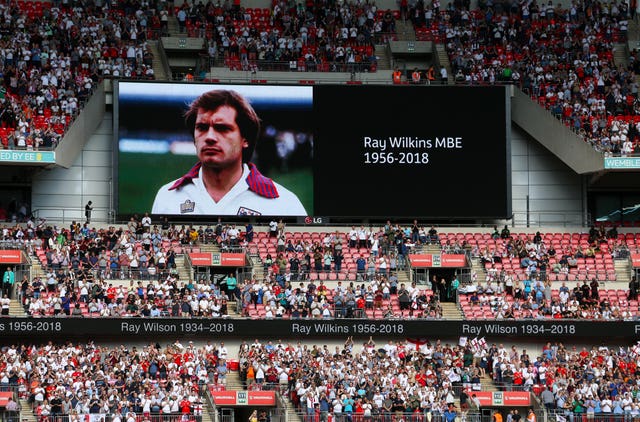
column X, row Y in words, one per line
column 345, row 150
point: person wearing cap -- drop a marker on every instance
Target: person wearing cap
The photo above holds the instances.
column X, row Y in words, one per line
column 225, row 129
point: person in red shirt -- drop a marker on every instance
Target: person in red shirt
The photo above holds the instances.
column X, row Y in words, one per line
column 360, row 304
column 421, row 378
column 584, row 354
column 185, row 406
column 111, row 293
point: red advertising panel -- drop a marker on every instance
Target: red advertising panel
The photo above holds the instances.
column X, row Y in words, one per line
column 232, row 260
column 262, row 398
column 224, row 397
column 10, row 256
column 437, row 260
column 456, row 261
column 517, row 398
column 421, row 260
column 485, row 397
column 200, row 259
column 244, row 398
column 204, row 259
column 4, row 398
column 635, row 260
column 503, row 398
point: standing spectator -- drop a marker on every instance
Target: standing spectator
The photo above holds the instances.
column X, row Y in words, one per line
column 248, row 235
column 450, row 414
column 324, row 406
column 146, row 221
column 87, row 211
column 444, row 76
column 232, row 286
column 8, row 280
column 182, row 19
column 273, row 228
column 633, row 289
column 548, row 398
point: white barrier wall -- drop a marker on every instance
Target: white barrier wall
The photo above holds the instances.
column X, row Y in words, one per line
column 60, row 194
column 554, row 191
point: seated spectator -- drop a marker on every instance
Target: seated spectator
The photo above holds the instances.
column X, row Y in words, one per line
column 474, row 299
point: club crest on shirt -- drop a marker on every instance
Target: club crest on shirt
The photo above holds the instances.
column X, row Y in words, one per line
column 187, row 206
column 247, row 211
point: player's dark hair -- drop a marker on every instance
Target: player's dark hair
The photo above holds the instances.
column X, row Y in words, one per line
column 247, row 119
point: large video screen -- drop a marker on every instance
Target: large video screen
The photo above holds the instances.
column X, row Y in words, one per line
column 324, row 150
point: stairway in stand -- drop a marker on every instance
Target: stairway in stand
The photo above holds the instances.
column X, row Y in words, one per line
column 233, row 381
column 16, row 309
column 26, row 411
column 450, row 311
column 405, row 30
column 487, row 384
column 158, row 69
column 623, row 271
column 206, row 416
column 478, row 267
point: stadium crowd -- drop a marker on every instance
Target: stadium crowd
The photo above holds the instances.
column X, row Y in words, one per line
column 562, row 56
column 132, row 270
column 52, row 56
column 397, row 377
column 81, row 379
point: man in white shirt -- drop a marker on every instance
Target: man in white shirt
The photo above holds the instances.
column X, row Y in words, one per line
column 225, row 128
column 146, row 221
column 222, row 351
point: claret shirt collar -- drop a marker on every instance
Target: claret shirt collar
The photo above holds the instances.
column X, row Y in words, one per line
column 257, row 183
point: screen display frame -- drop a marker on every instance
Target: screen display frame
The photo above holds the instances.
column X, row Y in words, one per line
column 381, row 151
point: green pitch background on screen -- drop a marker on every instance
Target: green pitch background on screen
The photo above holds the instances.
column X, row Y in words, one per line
column 141, row 175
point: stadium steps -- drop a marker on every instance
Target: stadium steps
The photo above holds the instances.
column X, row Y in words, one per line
column 405, row 30
column 184, row 273
column 209, row 247
column 233, row 381
column 173, row 28
column 487, row 384
column 478, row 268
column 16, row 309
column 382, row 57
column 206, row 415
column 633, row 32
column 292, row 414
column 158, row 69
column 621, row 54
column 26, row 411
column 258, row 266
column 450, row 311
column 403, row 277
column 623, row 271
column 37, row 268
column 443, row 60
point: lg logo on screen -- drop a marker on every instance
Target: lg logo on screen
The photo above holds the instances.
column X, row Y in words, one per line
column 313, row 220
